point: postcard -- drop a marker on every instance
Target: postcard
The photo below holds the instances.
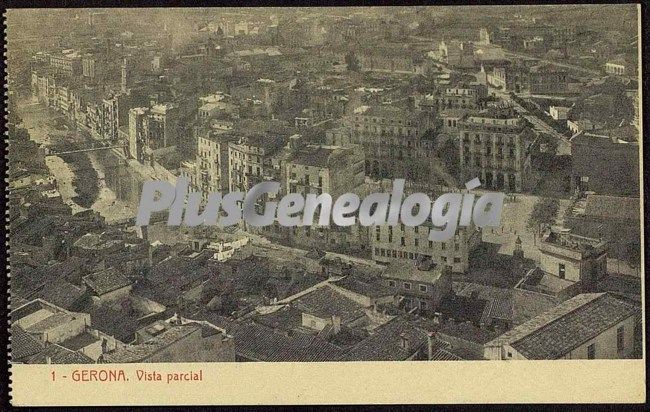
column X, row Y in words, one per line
column 328, row 205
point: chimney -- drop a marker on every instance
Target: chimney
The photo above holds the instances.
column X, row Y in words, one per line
column 430, row 337
column 336, row 324
column 48, row 360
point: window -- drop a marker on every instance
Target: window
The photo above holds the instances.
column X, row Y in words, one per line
column 407, row 286
column 443, row 246
column 591, row 351
column 391, row 283
column 415, row 242
column 423, row 304
column 403, row 243
column 456, row 260
column 509, row 354
column 561, row 270
column 423, row 288
column 620, row 339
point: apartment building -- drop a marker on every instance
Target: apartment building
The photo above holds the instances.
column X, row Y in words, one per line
column 495, row 147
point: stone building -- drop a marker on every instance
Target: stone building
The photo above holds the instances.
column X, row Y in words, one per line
column 401, row 243
column 393, row 140
column 422, row 285
column 574, row 258
column 252, row 159
column 495, row 147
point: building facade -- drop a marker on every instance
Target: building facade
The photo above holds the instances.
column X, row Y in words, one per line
column 495, row 146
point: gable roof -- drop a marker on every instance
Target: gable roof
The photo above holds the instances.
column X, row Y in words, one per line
column 106, row 281
column 558, row 331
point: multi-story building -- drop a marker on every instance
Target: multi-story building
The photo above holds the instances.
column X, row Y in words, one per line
column 402, row 243
column 422, row 285
column 153, row 129
column 137, row 133
column 520, row 77
column 394, row 141
column 495, row 147
column 253, row 158
column 311, row 169
column 463, row 96
column 66, row 63
column 212, row 171
column 51, row 325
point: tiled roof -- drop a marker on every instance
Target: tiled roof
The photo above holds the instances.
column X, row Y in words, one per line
column 556, row 332
column 325, row 302
column 57, row 354
column 385, row 344
column 370, row 287
column 140, row 352
column 62, row 293
column 106, row 281
column 613, row 207
column 467, row 331
column 23, row 345
column 444, row 355
column 261, row 343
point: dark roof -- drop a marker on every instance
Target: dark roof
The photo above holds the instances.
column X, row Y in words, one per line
column 80, row 341
column 557, row 332
column 621, row 284
column 385, row 343
column 325, row 302
column 140, row 352
column 370, row 287
column 287, row 317
column 261, row 343
column 23, row 345
column 62, row 293
column 467, row 331
column 613, row 207
column 106, row 281
column 59, row 355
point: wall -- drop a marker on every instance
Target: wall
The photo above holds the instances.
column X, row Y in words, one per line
column 605, row 343
column 194, row 348
column 550, row 263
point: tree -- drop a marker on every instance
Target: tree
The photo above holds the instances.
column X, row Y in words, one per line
column 353, row 62
column 544, row 213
